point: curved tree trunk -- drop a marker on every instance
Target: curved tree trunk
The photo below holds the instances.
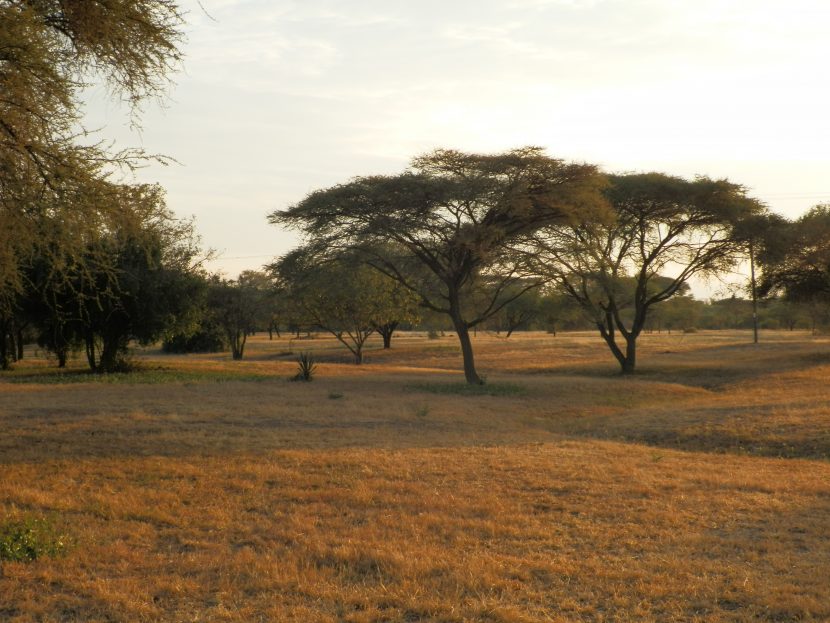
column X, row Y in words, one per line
column 470, row 373
column 89, row 343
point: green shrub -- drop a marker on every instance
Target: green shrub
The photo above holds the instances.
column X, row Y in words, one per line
column 208, row 339
column 28, row 539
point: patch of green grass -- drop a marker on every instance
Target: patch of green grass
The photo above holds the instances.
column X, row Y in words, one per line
column 141, row 377
column 422, row 411
column 30, row 538
column 463, row 389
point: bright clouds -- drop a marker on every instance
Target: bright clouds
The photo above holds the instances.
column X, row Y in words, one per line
column 281, row 97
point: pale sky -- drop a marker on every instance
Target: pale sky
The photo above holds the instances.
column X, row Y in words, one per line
column 281, row 97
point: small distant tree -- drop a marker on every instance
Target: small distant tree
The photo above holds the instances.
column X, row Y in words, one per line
column 519, row 313
column 235, row 306
column 663, row 231
column 343, row 296
column 681, row 312
column 780, row 313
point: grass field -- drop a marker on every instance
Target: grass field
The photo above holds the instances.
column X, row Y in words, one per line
column 202, row 489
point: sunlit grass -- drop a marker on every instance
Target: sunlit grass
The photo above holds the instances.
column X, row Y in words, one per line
column 392, row 492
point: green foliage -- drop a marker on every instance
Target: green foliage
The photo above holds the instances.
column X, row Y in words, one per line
column 238, row 307
column 342, row 295
column 202, row 341
column 796, row 258
column 449, row 223
column 663, row 231
column 55, row 191
column 306, row 367
column 30, row 538
column 207, row 338
column 422, row 411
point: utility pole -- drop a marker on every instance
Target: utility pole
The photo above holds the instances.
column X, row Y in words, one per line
column 754, row 291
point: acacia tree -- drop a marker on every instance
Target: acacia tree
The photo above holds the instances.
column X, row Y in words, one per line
column 237, row 307
column 663, row 231
column 136, row 282
column 401, row 307
column 53, row 189
column 757, row 232
column 796, row 258
column 519, row 313
column 449, row 222
column 342, row 295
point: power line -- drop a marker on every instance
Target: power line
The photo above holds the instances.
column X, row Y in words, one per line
column 243, row 257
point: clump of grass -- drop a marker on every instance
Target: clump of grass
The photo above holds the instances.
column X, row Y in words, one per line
column 464, row 389
column 30, row 538
column 422, row 411
column 306, row 367
column 335, row 395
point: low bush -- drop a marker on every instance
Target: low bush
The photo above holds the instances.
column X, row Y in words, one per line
column 28, row 539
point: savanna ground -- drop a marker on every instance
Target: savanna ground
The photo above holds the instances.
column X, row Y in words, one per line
column 202, row 489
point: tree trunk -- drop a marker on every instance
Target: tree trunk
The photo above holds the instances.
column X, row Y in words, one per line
column 238, row 345
column 20, row 344
column 12, row 348
column 630, row 361
column 754, row 293
column 89, row 342
column 463, row 332
column 606, row 330
column 108, row 361
column 4, row 352
column 386, row 332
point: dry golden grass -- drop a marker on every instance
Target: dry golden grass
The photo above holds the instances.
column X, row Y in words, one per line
column 366, row 496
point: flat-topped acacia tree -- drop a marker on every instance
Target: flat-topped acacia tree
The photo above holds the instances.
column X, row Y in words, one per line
column 663, row 231
column 450, row 222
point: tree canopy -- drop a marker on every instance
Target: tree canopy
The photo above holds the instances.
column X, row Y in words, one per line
column 54, row 188
column 663, row 230
column 344, row 296
column 796, row 257
column 448, row 222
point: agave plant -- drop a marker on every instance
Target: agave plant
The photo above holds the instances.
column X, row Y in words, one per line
column 306, row 367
